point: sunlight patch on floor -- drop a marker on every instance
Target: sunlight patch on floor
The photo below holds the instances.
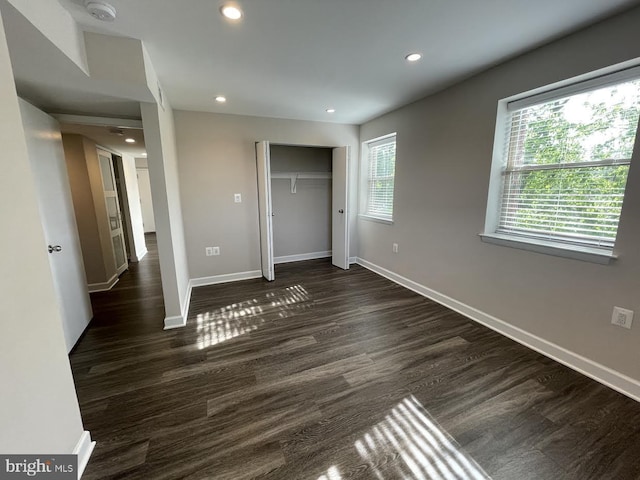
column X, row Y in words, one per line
column 424, row 449
column 217, row 326
column 332, row 474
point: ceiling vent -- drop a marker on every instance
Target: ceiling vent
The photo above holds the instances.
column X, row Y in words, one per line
column 101, row 10
column 117, row 131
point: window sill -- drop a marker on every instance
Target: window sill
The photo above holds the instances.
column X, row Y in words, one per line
column 369, row 218
column 587, row 254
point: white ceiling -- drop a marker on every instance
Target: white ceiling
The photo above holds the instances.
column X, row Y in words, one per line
column 296, row 58
column 105, row 138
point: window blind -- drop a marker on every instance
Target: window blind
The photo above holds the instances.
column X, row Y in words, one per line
column 380, row 179
column 566, row 165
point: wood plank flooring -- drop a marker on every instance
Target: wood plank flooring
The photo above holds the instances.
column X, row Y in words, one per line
column 327, row 374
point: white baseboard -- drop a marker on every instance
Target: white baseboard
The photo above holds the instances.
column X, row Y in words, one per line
column 353, row 260
column 84, row 449
column 605, row 375
column 301, row 257
column 103, row 286
column 229, row 277
column 179, row 321
column 175, row 322
column 142, row 255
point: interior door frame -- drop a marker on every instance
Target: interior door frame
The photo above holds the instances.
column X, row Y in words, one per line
column 266, row 234
column 265, row 208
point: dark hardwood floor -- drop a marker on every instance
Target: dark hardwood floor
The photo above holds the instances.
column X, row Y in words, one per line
column 325, row 374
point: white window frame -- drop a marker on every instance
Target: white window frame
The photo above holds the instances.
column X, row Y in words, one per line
column 608, row 76
column 365, row 214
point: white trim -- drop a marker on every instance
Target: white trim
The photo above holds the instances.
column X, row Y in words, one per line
column 371, row 218
column 605, row 375
column 180, row 321
column 187, row 301
column 301, row 257
column 576, row 252
column 103, row 286
column 84, row 449
column 353, row 260
column 142, row 255
column 174, row 322
column 228, row 277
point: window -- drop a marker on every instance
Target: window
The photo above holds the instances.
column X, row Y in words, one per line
column 563, row 160
column 379, row 171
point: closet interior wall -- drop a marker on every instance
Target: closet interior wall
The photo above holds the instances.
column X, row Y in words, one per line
column 302, row 220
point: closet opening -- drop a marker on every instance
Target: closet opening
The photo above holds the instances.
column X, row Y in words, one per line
column 302, row 195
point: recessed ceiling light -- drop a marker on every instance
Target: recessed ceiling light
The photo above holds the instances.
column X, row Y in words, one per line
column 231, row 12
column 129, row 140
column 413, row 57
column 331, row 110
column 221, row 99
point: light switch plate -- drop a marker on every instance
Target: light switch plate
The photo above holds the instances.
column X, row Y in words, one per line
column 237, row 198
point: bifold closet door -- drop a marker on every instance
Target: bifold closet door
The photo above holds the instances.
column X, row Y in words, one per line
column 263, row 164
column 339, row 216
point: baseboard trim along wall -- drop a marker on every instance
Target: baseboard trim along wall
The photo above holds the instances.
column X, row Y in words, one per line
column 84, row 449
column 179, row 321
column 142, row 255
column 602, row 374
column 353, row 260
column 103, row 286
column 228, row 277
column 301, row 257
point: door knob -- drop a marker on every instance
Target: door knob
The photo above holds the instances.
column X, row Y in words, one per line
column 54, row 248
column 341, row 211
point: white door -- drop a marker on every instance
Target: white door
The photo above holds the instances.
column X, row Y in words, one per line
column 46, row 156
column 114, row 217
column 339, row 217
column 263, row 164
column 146, row 204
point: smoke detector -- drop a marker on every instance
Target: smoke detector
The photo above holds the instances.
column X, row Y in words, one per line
column 101, row 10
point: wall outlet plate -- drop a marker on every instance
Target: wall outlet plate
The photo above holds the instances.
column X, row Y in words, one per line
column 395, row 248
column 622, row 317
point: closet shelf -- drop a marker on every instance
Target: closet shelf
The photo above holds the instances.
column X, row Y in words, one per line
column 293, row 177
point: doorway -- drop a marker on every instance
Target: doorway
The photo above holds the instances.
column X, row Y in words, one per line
column 280, row 169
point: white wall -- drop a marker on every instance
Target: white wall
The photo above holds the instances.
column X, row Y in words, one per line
column 137, row 247
column 444, row 150
column 302, row 220
column 160, row 140
column 217, row 159
column 38, row 407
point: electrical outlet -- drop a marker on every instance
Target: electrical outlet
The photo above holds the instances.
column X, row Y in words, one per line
column 395, row 248
column 208, row 251
column 622, row 317
column 215, row 250
column 237, row 198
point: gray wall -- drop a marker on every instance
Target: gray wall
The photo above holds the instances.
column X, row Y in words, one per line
column 444, row 150
column 302, row 220
column 40, row 410
column 217, row 159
